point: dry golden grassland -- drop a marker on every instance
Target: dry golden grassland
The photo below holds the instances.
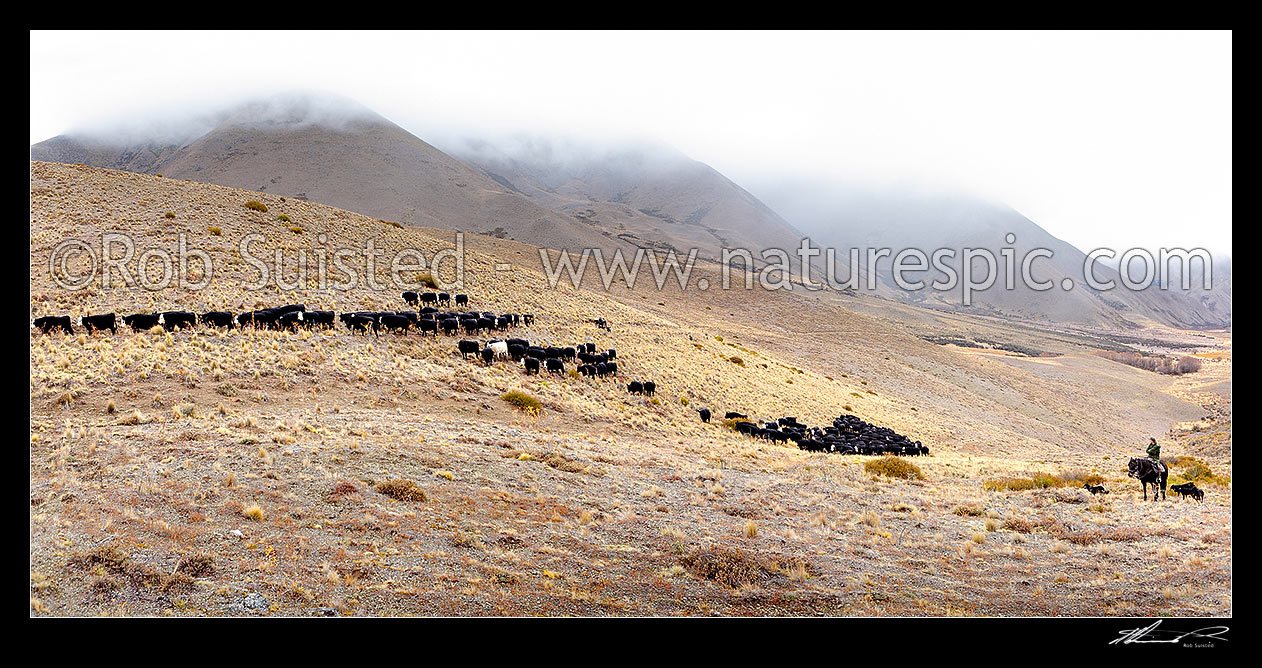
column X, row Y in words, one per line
column 273, row 473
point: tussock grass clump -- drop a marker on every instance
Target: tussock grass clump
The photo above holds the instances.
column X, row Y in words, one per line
column 295, row 229
column 731, row 423
column 255, row 205
column 402, row 489
column 168, row 215
column 736, row 360
column 1191, row 469
column 283, row 218
column 342, row 489
column 735, row 568
column 969, row 511
column 391, row 223
column 196, row 565
column 894, row 467
column 728, row 566
column 1038, row 480
column 217, row 231
column 523, row 402
column 254, row 511
column 108, row 557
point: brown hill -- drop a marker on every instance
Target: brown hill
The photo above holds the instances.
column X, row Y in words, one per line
column 649, row 194
column 343, row 155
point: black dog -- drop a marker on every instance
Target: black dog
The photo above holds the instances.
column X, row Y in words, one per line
column 1188, row 489
column 1095, row 489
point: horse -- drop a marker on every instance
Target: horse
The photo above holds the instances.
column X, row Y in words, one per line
column 1145, row 470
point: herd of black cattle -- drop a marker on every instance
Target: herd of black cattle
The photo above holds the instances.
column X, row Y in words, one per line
column 847, row 435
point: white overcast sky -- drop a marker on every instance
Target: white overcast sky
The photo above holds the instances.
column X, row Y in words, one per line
column 1104, row 139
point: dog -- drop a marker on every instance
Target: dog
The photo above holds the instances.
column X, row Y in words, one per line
column 1188, row 489
column 1095, row 489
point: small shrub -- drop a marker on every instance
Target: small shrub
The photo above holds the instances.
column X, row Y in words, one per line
column 402, row 489
column 255, row 205
column 969, row 511
column 736, row 360
column 254, row 511
column 169, row 215
column 523, row 402
column 215, row 231
column 894, row 467
column 196, row 565
column 683, row 401
column 295, row 229
column 427, row 279
column 283, row 218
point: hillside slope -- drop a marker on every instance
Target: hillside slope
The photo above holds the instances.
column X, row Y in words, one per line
column 254, row 473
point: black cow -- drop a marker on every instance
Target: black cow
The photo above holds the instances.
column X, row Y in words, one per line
column 95, row 322
column 555, row 366
column 531, row 364
column 358, row 322
column 733, row 415
column 394, row 322
column 516, row 351
column 705, row 414
column 411, row 298
column 613, row 354
column 289, row 320
column 650, row 387
column 428, row 325
column 429, row 297
column 635, row 387
column 488, row 356
column 468, row 348
column 261, row 318
column 141, row 321
column 217, row 319
column 321, row 319
column 449, row 326
column 50, row 322
column 173, row 320
column 462, row 299
column 444, row 298
column 528, row 319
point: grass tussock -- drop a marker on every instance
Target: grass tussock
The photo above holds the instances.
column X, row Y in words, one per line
column 402, row 489
column 1191, row 469
column 1040, row 480
column 736, row 568
column 255, row 205
column 524, row 402
column 894, row 467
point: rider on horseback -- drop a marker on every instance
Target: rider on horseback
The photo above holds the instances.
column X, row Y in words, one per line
column 1154, row 450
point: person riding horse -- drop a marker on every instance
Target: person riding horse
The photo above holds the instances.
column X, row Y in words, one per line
column 1150, row 470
